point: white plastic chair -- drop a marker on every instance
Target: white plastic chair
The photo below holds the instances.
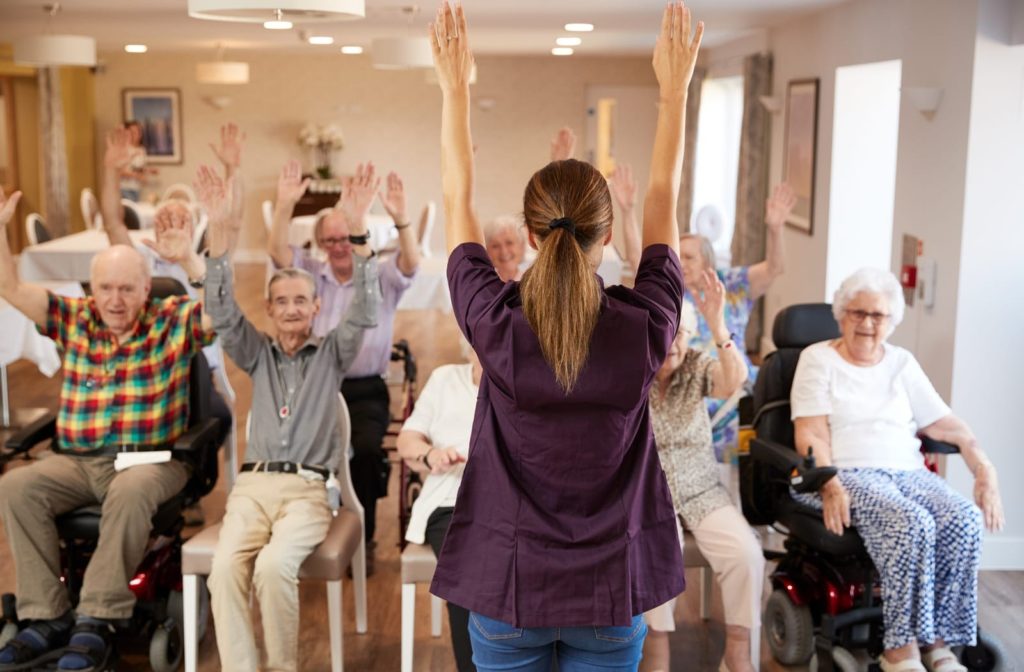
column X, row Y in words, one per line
column 132, row 218
column 90, row 209
column 197, row 556
column 35, row 229
column 181, row 191
column 267, row 207
column 418, row 565
column 426, row 227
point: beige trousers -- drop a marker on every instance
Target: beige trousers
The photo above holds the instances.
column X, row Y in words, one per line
column 32, row 496
column 732, row 549
column 272, row 523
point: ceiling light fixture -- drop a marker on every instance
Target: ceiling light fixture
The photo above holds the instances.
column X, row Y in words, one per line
column 562, row 51
column 45, row 50
column 579, row 27
column 295, row 11
column 277, row 23
column 221, row 71
column 569, row 41
column 136, row 48
column 351, row 49
column 403, row 53
column 321, row 39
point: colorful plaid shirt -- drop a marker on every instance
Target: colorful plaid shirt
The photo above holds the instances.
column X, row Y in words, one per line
column 133, row 392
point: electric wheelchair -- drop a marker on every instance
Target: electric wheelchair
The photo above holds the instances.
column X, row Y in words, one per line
column 826, row 593
column 157, row 583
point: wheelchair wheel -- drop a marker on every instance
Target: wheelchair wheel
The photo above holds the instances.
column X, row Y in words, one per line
column 987, row 655
column 790, row 629
column 166, row 647
column 176, row 609
column 7, row 633
column 843, row 660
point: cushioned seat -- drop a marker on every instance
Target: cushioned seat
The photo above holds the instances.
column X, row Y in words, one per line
column 806, row 524
column 84, row 523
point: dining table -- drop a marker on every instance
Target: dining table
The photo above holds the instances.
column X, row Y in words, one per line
column 69, row 257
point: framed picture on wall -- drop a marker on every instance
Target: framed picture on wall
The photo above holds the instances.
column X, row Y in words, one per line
column 799, row 158
column 158, row 112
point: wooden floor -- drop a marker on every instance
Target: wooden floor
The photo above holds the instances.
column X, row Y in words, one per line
column 433, row 335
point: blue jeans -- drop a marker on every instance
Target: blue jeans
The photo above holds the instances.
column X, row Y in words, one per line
column 499, row 646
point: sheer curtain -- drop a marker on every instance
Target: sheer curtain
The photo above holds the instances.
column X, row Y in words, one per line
column 748, row 239
column 685, row 207
column 54, row 152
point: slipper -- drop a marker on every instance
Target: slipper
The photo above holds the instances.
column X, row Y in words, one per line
column 907, row 665
column 942, row 659
column 90, row 649
column 34, row 646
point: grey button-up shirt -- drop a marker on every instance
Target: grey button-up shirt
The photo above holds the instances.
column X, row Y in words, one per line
column 310, row 379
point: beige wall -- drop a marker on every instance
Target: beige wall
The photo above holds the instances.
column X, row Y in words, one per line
column 392, row 118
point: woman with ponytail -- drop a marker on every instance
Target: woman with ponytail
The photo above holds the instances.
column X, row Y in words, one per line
column 563, row 532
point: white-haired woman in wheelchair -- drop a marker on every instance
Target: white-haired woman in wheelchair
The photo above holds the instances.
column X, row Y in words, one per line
column 682, row 431
column 859, row 403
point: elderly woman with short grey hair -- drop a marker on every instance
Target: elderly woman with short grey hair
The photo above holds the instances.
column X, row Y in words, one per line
column 505, row 240
column 860, row 403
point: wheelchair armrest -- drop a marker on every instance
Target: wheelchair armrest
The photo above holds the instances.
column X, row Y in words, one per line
column 930, row 445
column 32, row 434
column 203, row 434
column 776, row 455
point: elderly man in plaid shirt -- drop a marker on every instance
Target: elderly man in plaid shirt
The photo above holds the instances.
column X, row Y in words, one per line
column 126, row 366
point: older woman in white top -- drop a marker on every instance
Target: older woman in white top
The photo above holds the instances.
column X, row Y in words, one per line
column 435, row 441
column 859, row 403
column 505, row 240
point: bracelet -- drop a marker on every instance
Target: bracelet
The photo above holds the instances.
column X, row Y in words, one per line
column 424, row 460
column 402, row 226
column 728, row 343
column 359, row 239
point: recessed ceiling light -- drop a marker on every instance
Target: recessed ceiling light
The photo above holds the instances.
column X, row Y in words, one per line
column 562, row 51
column 569, row 41
column 579, row 27
column 136, row 48
column 351, row 49
column 321, row 39
column 277, row 24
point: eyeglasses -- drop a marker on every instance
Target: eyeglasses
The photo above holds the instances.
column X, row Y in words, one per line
column 861, row 315
column 331, row 242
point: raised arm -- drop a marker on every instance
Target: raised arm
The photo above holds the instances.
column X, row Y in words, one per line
column 357, row 195
column 563, row 145
column 453, row 61
column 116, row 160
column 290, row 188
column 777, row 209
column 30, row 300
column 347, row 337
column 394, row 202
column 675, row 55
column 729, row 372
column 229, row 153
column 623, row 188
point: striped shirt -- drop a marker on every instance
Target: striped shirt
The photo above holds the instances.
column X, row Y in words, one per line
column 132, row 392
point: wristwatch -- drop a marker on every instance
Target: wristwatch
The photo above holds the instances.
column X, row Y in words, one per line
column 727, row 342
column 199, row 282
column 359, row 240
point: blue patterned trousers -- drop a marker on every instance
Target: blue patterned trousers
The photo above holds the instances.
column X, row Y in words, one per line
column 925, row 541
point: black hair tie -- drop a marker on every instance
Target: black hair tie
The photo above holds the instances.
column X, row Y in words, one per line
column 563, row 223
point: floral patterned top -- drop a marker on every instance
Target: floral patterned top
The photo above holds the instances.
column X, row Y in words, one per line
column 682, row 431
column 738, row 306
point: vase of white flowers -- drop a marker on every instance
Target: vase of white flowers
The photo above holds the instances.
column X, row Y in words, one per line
column 323, row 141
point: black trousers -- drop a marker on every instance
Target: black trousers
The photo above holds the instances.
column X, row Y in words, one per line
column 369, row 407
column 458, row 618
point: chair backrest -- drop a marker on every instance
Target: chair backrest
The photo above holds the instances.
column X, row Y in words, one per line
column 426, row 227
column 35, row 229
column 199, row 234
column 132, row 220
column 181, row 191
column 267, row 207
column 90, row 209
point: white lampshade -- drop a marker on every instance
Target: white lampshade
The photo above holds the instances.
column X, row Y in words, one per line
column 43, row 50
column 222, row 72
column 258, row 11
column 401, row 53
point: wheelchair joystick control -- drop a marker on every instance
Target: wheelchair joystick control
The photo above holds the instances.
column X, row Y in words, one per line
column 807, row 476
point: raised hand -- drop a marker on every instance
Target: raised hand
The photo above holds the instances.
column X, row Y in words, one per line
column 229, row 152
column 675, row 54
column 215, row 196
column 173, row 228
column 119, row 152
column 563, row 145
column 393, row 199
column 290, row 185
column 710, row 301
column 779, row 205
column 357, row 194
column 623, row 186
column 8, row 204
column 449, row 41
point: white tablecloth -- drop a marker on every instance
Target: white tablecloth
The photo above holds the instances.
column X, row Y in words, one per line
column 429, row 288
column 67, row 258
column 19, row 338
column 610, row 269
column 382, row 231
column 147, row 213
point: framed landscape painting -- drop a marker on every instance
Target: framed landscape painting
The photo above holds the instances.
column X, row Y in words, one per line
column 159, row 113
column 800, row 150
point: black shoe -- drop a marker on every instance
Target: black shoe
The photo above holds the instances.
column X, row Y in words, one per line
column 23, row 655
column 90, row 648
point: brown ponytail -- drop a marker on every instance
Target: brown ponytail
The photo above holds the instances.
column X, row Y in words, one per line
column 560, row 293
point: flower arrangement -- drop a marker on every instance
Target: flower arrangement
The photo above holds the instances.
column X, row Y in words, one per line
column 323, row 140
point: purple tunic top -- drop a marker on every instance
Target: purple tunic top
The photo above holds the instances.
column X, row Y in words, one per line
column 564, row 517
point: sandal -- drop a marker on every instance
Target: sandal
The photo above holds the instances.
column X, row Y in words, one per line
column 906, row 665
column 27, row 657
column 90, row 649
column 942, row 659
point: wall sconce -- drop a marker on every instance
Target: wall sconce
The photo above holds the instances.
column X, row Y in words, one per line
column 771, row 103
column 925, row 99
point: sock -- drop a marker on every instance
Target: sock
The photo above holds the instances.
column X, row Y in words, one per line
column 36, row 638
column 88, row 640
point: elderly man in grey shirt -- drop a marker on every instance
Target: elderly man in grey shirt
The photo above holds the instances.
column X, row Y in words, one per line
column 277, row 512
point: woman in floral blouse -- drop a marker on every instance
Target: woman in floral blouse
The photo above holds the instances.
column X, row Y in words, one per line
column 682, row 431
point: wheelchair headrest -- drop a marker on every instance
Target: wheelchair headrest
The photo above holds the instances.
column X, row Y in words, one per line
column 163, row 287
column 804, row 324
